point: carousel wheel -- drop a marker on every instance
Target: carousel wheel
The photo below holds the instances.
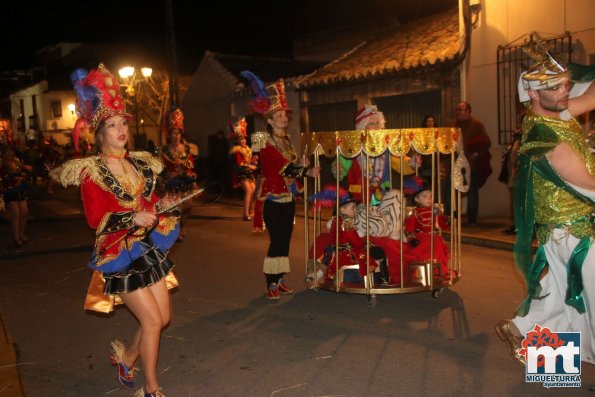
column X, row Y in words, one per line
column 437, row 292
column 309, row 280
column 372, row 300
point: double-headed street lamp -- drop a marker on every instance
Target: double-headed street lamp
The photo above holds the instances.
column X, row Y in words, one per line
column 131, row 82
column 146, row 94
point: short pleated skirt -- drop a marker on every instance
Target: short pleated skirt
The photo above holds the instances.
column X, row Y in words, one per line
column 145, row 271
column 17, row 193
column 245, row 173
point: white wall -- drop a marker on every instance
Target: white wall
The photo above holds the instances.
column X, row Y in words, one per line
column 206, row 105
column 502, row 22
column 26, row 95
column 66, row 122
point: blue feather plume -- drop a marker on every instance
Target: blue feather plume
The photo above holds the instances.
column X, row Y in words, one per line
column 327, row 197
column 255, row 83
column 77, row 78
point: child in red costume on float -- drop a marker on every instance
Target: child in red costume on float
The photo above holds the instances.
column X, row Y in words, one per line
column 352, row 247
column 425, row 218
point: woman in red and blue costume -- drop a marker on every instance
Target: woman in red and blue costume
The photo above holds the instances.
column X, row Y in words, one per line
column 281, row 172
column 134, row 229
column 245, row 165
column 178, row 158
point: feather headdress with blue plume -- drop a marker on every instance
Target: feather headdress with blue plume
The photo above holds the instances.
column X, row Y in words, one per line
column 413, row 185
column 327, row 197
column 98, row 99
column 260, row 103
column 267, row 100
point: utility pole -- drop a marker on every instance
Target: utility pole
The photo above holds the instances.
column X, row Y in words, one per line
column 174, row 89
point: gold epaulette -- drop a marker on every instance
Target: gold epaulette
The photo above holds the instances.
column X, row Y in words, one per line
column 153, row 162
column 72, row 172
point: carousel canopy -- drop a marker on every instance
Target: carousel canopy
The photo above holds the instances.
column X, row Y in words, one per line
column 375, row 142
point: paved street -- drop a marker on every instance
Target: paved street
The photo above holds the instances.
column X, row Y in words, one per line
column 226, row 339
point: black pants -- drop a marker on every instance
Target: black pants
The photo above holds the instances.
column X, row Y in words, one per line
column 278, row 218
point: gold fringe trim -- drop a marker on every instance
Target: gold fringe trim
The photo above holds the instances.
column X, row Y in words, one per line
column 276, row 265
column 72, row 172
column 375, row 142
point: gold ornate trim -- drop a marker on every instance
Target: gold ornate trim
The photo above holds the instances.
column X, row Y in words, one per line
column 276, row 265
column 375, row 142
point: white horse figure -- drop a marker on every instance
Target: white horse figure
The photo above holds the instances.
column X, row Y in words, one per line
column 384, row 220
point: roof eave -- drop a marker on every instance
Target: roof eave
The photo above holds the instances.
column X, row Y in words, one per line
column 448, row 64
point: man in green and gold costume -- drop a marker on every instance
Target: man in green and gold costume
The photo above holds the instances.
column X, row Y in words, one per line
column 554, row 199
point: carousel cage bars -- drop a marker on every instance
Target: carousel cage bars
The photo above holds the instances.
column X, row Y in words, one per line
column 511, row 61
column 454, row 263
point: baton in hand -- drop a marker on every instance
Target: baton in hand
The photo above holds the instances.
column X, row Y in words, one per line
column 180, row 201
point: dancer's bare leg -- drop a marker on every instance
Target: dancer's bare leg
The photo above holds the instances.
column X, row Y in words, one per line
column 23, row 215
column 12, row 214
column 248, row 191
column 132, row 351
column 151, row 307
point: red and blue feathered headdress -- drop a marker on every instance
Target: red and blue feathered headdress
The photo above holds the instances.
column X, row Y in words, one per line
column 327, row 197
column 414, row 185
column 98, row 99
column 266, row 100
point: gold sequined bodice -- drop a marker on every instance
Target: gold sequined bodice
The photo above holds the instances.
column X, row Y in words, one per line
column 134, row 189
column 555, row 207
column 246, row 154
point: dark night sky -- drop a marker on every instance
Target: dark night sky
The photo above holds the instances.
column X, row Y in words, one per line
column 257, row 27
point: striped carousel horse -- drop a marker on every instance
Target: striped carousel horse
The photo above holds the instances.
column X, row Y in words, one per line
column 384, row 220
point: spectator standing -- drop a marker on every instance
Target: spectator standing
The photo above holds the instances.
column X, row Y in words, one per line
column 509, row 168
column 429, row 122
column 476, row 146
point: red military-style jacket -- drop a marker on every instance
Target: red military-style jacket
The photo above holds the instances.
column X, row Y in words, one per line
column 110, row 205
column 280, row 172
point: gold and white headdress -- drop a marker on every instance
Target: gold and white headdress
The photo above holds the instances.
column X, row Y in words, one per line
column 546, row 72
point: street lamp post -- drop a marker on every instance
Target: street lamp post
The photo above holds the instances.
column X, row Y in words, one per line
column 132, row 80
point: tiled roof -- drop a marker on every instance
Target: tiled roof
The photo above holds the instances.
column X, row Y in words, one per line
column 427, row 42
